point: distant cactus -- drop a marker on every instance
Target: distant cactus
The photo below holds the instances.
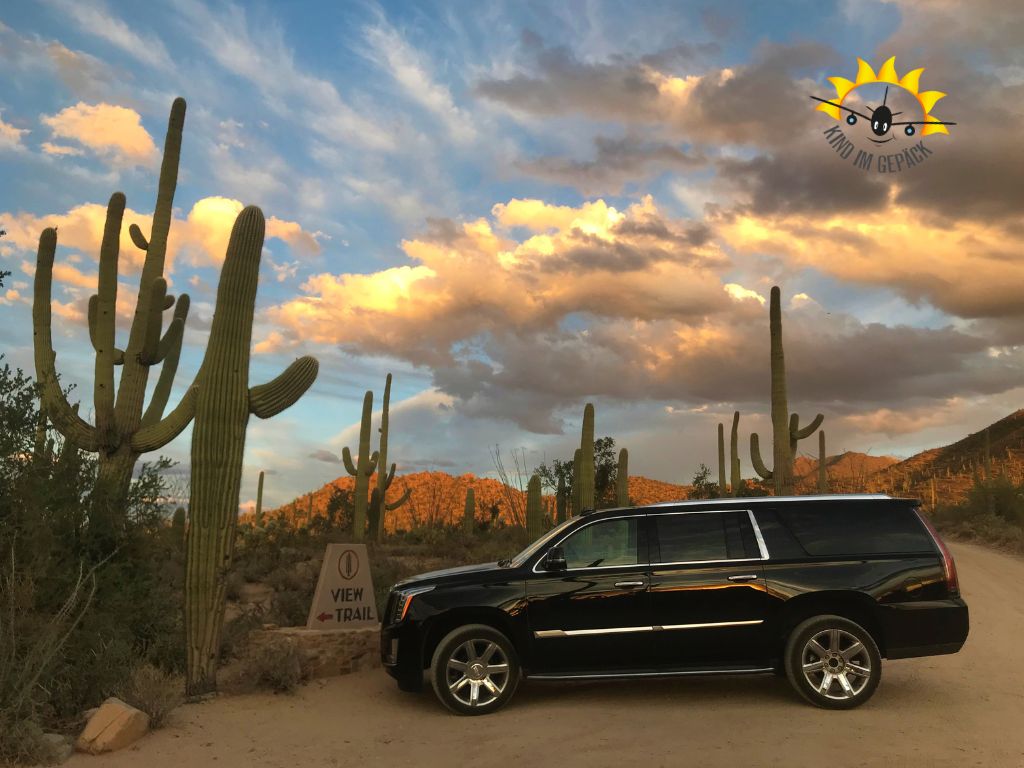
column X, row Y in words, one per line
column 469, row 512
column 560, row 500
column 622, row 480
column 116, row 437
column 258, row 516
column 988, row 457
column 365, row 466
column 534, row 509
column 822, row 464
column 586, row 497
column 734, row 456
column 723, row 487
column 221, row 402
column 785, row 426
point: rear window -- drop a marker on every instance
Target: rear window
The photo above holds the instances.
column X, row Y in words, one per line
column 853, row 528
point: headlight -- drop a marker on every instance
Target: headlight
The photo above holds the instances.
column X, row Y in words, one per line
column 403, row 599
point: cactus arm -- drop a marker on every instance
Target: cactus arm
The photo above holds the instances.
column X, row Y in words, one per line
column 371, row 465
column 64, row 417
column 755, row 458
column 801, row 434
column 270, row 399
column 162, row 391
column 156, row 248
column 158, row 435
column 105, row 314
column 346, row 457
column 138, row 238
column 392, row 506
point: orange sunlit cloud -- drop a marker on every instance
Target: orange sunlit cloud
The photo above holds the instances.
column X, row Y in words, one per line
column 109, row 130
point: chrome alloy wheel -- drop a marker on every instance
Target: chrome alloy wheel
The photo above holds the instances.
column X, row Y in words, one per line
column 477, row 672
column 836, row 664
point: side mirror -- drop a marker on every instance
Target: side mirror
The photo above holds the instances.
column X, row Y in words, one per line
column 555, row 560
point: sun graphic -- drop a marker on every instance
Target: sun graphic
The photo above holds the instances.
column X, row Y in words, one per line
column 910, row 82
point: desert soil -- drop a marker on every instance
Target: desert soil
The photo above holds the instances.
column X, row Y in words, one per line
column 960, row 710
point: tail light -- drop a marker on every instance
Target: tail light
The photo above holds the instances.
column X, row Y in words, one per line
column 948, row 566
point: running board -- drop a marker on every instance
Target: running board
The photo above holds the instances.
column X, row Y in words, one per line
column 625, row 675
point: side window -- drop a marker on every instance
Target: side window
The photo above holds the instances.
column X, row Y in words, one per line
column 612, row 542
column 855, row 528
column 702, row 536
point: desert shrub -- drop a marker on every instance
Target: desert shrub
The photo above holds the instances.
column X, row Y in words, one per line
column 233, row 585
column 235, row 631
column 277, row 666
column 155, row 692
column 290, row 607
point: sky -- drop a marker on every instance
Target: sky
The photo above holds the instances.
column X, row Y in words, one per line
column 517, row 208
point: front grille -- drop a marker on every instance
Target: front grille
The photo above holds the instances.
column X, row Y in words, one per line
column 393, row 607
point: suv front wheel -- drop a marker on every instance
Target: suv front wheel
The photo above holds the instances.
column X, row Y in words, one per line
column 475, row 670
column 833, row 662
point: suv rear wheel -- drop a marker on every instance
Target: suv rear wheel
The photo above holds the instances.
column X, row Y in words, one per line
column 475, row 670
column 833, row 662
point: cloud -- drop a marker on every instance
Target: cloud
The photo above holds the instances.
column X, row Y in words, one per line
column 96, row 20
column 59, row 149
column 325, row 455
column 904, row 249
column 106, row 129
column 406, row 66
column 474, row 277
column 200, row 238
column 617, row 162
column 10, row 137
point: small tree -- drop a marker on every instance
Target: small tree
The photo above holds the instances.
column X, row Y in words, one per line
column 703, row 486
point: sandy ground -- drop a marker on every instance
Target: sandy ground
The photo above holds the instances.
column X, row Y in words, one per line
column 960, row 710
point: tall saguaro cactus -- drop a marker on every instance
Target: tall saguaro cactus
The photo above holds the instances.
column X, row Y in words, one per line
column 785, row 426
column 119, row 415
column 221, row 401
column 734, row 456
column 385, row 476
column 362, row 469
column 586, row 497
column 622, row 480
column 822, row 464
column 576, row 482
column 534, row 509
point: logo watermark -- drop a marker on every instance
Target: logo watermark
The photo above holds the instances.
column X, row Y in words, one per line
column 907, row 101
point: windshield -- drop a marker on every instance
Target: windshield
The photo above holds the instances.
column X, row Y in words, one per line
column 533, row 548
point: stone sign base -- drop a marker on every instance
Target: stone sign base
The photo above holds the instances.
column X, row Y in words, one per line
column 324, row 653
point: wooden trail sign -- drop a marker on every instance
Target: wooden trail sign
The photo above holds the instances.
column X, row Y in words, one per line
column 344, row 596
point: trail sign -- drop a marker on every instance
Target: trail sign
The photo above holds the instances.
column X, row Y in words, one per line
column 344, row 596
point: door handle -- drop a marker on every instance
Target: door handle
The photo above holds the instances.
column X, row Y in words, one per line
column 629, row 584
column 744, row 577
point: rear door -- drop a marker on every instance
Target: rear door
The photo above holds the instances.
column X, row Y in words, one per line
column 708, row 601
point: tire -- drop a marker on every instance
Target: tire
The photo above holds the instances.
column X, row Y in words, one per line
column 833, row 662
column 475, row 670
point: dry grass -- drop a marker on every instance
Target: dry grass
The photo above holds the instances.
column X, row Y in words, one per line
column 155, row 692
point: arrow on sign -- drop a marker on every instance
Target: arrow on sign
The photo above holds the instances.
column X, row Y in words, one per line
column 323, row 616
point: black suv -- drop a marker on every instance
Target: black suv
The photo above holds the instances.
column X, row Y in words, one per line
column 819, row 588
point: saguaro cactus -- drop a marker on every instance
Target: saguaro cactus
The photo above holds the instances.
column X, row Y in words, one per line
column 178, row 527
column 119, row 415
column 469, row 512
column 587, row 460
column 361, row 470
column 385, row 476
column 258, row 516
column 221, row 401
column 534, row 509
column 822, row 464
column 785, row 426
column 576, row 483
column 622, row 480
column 723, row 487
column 560, row 500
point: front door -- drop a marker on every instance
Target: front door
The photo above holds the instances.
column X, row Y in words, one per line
column 708, row 598
column 594, row 616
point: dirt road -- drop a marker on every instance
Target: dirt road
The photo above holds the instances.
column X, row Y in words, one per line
column 961, row 710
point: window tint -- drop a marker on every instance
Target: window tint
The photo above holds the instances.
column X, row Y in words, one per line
column 855, row 528
column 701, row 536
column 612, row 542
